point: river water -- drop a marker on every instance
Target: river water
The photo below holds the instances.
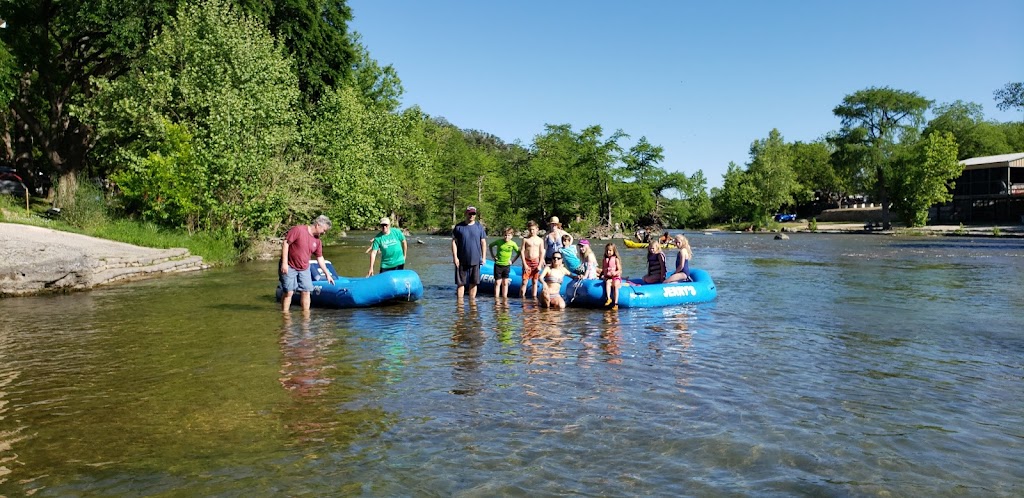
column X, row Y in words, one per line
column 829, row 365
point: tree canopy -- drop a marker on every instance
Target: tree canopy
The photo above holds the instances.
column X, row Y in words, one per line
column 246, row 115
column 876, row 123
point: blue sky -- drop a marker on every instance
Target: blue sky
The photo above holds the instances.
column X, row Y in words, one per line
column 701, row 79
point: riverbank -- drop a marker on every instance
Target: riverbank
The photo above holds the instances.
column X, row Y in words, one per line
column 36, row 260
column 928, row 230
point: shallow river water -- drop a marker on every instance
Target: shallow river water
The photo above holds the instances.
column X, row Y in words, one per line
column 829, row 365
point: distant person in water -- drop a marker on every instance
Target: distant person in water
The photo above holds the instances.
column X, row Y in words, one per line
column 469, row 252
column 301, row 243
column 682, row 271
column 533, row 251
column 656, row 267
column 392, row 246
column 504, row 252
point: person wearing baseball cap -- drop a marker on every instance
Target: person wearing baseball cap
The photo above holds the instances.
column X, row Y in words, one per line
column 469, row 253
column 392, row 247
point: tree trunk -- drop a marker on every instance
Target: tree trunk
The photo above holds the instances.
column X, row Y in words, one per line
column 67, row 185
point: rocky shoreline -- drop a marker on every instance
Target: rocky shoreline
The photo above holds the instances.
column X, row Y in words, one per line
column 36, row 260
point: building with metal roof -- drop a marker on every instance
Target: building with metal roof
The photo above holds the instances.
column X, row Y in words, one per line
column 991, row 188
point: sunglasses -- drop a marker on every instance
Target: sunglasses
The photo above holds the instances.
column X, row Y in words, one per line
column 557, row 259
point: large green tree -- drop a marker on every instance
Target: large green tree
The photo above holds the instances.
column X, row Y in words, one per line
column 875, row 122
column 207, row 120
column 360, row 154
column 641, row 173
column 692, row 207
column 315, row 33
column 1010, row 96
column 771, row 173
column 379, row 85
column 816, row 173
column 927, row 173
column 58, row 47
column 732, row 200
column 975, row 137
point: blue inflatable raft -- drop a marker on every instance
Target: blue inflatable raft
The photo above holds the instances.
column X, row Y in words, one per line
column 395, row 286
column 590, row 293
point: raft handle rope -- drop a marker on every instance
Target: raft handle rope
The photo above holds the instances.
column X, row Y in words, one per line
column 577, row 283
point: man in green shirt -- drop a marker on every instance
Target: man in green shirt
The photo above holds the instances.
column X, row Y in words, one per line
column 392, row 247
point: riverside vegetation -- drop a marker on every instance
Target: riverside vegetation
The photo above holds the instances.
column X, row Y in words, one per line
column 218, row 123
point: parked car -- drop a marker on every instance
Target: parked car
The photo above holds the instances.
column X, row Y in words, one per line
column 785, row 217
column 11, row 183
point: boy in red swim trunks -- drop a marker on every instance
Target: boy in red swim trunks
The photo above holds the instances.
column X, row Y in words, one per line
column 533, row 250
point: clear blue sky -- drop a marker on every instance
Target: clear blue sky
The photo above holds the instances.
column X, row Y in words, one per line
column 701, row 79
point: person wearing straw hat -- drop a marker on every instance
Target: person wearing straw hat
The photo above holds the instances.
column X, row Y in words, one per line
column 469, row 253
column 391, row 245
column 553, row 239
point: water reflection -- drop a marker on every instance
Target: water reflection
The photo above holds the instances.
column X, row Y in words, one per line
column 467, row 341
column 504, row 328
column 544, row 334
column 8, row 437
column 305, row 374
column 611, row 337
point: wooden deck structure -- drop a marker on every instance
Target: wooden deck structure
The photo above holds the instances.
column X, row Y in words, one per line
column 991, row 188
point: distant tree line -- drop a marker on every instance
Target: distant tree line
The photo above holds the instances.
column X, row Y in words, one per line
column 245, row 116
column 884, row 150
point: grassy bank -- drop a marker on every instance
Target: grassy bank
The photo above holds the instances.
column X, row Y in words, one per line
column 215, row 248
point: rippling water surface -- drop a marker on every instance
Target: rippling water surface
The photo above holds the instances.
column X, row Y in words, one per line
column 829, row 365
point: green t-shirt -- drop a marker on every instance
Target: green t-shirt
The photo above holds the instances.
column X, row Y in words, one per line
column 390, row 247
column 505, row 250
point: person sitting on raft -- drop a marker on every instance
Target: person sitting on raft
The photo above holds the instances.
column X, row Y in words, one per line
column 552, row 276
column 572, row 259
column 656, row 268
column 589, row 261
column 612, row 274
column 682, row 272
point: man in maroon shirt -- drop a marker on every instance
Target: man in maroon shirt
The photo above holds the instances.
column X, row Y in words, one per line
column 301, row 243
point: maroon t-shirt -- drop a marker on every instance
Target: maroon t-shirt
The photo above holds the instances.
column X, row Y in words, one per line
column 301, row 247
